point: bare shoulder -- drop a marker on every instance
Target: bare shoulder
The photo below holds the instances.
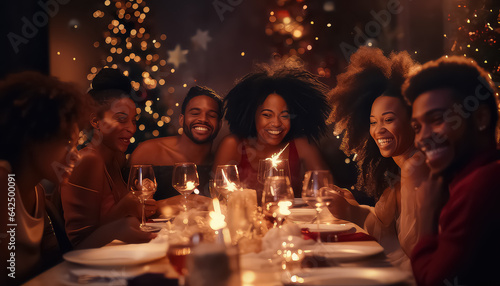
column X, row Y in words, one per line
column 303, row 142
column 89, row 160
column 309, row 154
column 151, row 151
column 230, row 141
column 229, row 150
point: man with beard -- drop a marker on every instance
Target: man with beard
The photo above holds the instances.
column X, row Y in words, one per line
column 201, row 115
column 455, row 117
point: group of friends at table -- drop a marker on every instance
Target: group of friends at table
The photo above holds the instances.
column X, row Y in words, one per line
column 424, row 138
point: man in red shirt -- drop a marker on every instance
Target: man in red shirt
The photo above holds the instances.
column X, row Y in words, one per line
column 455, row 118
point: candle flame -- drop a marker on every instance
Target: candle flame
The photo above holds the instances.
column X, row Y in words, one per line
column 231, row 186
column 190, row 185
column 284, row 207
column 217, row 219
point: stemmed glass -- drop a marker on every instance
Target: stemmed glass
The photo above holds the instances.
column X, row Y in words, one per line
column 185, row 179
column 271, row 168
column 227, row 179
column 316, row 191
column 142, row 184
column 277, row 199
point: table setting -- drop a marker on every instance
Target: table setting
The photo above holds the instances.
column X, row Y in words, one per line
column 233, row 239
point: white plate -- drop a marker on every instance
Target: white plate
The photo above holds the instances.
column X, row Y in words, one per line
column 347, row 276
column 344, row 252
column 327, row 227
column 120, row 255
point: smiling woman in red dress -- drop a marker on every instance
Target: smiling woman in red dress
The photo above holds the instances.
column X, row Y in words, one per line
column 269, row 109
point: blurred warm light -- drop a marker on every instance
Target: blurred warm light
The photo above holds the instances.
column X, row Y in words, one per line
column 180, row 131
column 142, row 127
column 145, row 9
column 170, row 111
column 156, row 133
column 161, row 81
column 132, row 140
column 163, row 37
column 287, row 20
column 160, row 123
column 242, row 54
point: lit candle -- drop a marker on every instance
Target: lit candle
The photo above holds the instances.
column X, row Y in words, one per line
column 283, row 207
column 218, row 223
column 190, row 185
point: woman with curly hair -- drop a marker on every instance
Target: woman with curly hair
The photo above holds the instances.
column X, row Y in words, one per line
column 268, row 110
column 369, row 107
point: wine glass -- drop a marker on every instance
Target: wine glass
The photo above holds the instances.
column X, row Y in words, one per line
column 316, row 191
column 226, row 179
column 142, row 184
column 277, row 199
column 179, row 249
column 185, row 179
column 269, row 168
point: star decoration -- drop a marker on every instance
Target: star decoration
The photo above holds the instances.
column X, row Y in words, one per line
column 177, row 56
column 201, row 38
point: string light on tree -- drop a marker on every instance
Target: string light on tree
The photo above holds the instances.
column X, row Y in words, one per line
column 131, row 45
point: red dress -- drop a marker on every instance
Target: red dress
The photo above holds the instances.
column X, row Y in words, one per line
column 248, row 175
column 467, row 248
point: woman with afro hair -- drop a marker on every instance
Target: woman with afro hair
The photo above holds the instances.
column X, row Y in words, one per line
column 369, row 108
column 272, row 109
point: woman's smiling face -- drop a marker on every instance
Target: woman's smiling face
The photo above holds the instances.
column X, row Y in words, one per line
column 390, row 126
column 272, row 120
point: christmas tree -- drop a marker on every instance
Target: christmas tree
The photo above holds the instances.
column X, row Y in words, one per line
column 130, row 45
column 475, row 33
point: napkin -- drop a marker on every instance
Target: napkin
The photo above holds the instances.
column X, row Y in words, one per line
column 336, row 236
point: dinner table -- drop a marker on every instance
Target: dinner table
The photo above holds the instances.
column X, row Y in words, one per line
column 346, row 255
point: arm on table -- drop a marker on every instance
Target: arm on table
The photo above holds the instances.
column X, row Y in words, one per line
column 372, row 219
column 125, row 229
